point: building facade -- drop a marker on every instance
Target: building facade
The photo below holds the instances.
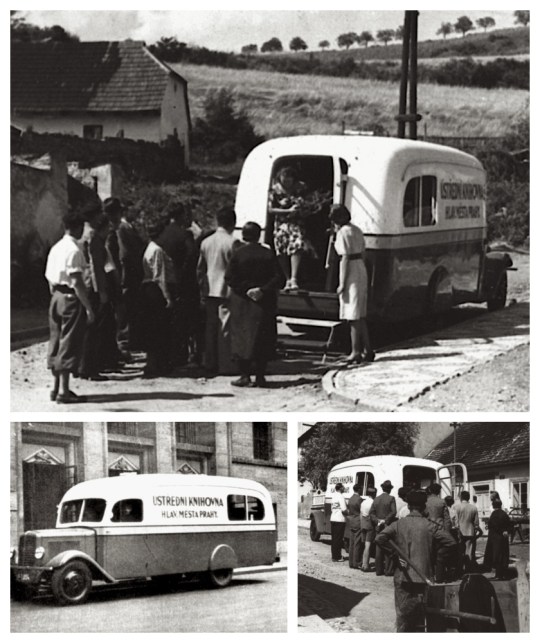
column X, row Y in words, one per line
column 49, row 458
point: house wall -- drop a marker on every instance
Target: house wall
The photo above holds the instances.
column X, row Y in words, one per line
column 137, row 126
column 88, row 449
column 174, row 114
column 272, row 473
column 501, row 480
column 38, row 202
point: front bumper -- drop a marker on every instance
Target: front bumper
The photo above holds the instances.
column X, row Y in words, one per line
column 29, row 575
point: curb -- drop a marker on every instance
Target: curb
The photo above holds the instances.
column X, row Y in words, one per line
column 29, row 333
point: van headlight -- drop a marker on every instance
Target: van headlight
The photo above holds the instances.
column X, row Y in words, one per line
column 39, row 553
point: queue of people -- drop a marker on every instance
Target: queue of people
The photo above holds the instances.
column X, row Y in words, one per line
column 434, row 539
column 210, row 301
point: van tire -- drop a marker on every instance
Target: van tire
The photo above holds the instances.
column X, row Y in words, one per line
column 71, row 583
column 314, row 533
column 498, row 301
column 218, row 578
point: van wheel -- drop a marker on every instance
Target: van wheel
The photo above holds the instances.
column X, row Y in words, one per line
column 314, row 533
column 498, row 300
column 71, row 583
column 219, row 577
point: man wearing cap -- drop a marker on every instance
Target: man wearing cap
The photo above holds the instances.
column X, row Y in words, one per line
column 383, row 510
column 69, row 310
column 415, row 536
column 353, row 518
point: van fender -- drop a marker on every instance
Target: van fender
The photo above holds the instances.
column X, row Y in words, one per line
column 223, row 557
column 74, row 554
column 318, row 517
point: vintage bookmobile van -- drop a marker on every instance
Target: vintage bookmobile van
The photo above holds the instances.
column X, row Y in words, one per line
column 160, row 526
column 372, row 471
column 421, row 207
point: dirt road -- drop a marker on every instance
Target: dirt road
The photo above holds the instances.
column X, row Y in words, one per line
column 499, row 380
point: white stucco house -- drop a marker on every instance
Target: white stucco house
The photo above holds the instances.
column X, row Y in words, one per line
column 98, row 90
column 496, row 455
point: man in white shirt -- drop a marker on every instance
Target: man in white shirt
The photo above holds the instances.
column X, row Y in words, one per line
column 214, row 257
column 337, row 522
column 69, row 309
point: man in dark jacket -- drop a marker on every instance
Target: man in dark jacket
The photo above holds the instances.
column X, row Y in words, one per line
column 355, row 526
column 384, row 510
column 437, row 512
column 415, row 536
column 255, row 278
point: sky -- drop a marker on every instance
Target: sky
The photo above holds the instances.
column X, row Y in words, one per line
column 229, row 30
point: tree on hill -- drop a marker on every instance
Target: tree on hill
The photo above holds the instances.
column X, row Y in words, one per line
column 249, row 49
column 274, row 44
column 168, row 49
column 298, row 44
column 346, row 40
column 464, row 25
column 445, row 29
column 365, row 37
column 399, row 33
column 27, row 32
column 324, row 44
column 485, row 23
column 522, row 18
column 335, row 442
column 386, row 35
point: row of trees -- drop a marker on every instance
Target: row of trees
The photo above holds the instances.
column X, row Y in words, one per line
column 346, row 40
column 464, row 24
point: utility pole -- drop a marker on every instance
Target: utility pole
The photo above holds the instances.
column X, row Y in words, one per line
column 409, row 77
column 455, row 426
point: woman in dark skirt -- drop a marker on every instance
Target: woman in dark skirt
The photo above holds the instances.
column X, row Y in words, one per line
column 497, row 549
column 255, row 278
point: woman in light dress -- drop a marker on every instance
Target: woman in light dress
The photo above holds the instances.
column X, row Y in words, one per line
column 353, row 283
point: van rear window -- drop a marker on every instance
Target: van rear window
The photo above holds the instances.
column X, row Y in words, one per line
column 244, row 508
column 420, row 202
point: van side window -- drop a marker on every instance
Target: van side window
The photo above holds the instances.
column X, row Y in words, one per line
column 236, row 507
column 255, row 508
column 420, row 202
column 365, row 479
column 71, row 511
column 94, row 509
column 129, row 510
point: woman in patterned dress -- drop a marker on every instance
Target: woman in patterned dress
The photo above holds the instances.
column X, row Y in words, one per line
column 352, row 290
column 286, row 199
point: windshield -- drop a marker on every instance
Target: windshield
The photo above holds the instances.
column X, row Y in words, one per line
column 93, row 510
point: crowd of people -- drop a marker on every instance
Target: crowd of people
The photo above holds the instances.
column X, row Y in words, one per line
column 180, row 296
column 417, row 537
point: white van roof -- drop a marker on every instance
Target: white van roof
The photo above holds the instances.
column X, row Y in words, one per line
column 386, row 461
column 143, row 483
column 371, row 147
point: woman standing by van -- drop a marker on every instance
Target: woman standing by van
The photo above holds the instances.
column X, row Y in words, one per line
column 353, row 283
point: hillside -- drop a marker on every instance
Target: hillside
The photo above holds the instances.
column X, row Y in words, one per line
column 284, row 104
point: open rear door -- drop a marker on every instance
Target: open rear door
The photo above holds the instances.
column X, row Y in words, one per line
column 453, row 479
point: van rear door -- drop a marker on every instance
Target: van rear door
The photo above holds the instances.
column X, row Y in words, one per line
column 453, row 479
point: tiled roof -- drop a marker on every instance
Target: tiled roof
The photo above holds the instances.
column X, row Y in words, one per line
column 87, row 76
column 481, row 444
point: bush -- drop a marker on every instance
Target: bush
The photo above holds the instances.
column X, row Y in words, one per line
column 226, row 132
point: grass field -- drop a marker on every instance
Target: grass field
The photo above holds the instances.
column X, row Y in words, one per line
column 284, row 104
